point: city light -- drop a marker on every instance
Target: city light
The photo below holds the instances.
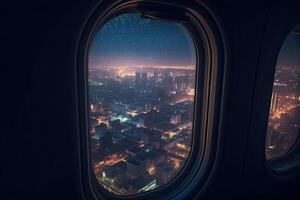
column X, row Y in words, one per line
column 141, row 90
column 140, row 138
column 283, row 126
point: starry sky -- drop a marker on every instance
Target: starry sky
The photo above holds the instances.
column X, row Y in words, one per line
column 290, row 51
column 129, row 40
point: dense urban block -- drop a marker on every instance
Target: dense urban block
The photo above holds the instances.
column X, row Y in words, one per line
column 141, row 122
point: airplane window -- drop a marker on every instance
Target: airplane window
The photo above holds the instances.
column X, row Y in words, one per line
column 141, row 90
column 284, row 117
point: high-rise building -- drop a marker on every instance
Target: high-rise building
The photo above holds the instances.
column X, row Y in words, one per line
column 274, row 102
column 155, row 74
column 144, row 79
column 100, row 130
column 135, row 167
column 164, row 172
column 175, row 118
column 137, row 78
column 269, row 138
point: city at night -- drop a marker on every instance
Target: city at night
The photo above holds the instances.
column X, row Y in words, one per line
column 284, row 118
column 141, row 98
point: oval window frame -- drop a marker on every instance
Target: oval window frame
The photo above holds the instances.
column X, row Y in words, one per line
column 289, row 162
column 205, row 162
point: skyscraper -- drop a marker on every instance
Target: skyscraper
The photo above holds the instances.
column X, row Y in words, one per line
column 137, row 78
column 274, row 102
column 144, row 79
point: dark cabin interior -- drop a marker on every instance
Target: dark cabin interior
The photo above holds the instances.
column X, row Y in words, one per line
column 42, row 146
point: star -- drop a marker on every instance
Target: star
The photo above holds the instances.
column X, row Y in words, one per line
column 128, row 39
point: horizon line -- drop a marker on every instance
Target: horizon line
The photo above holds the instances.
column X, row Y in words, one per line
column 142, row 66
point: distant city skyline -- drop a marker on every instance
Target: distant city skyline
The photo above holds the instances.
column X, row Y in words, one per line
column 129, row 40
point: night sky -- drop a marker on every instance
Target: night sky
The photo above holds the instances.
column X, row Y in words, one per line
column 290, row 52
column 129, row 40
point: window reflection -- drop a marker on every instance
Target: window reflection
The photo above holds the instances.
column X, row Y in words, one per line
column 141, row 80
column 284, row 118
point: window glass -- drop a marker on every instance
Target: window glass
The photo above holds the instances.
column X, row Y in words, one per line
column 141, row 86
column 284, row 118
